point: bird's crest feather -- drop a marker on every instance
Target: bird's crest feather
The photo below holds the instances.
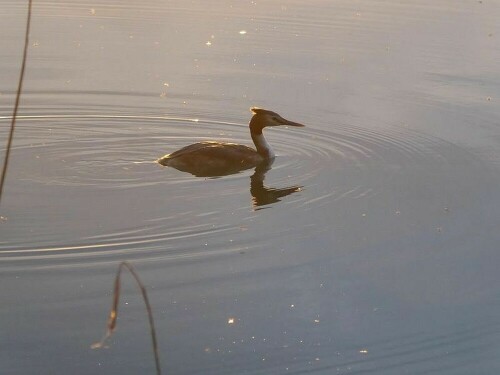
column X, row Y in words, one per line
column 257, row 110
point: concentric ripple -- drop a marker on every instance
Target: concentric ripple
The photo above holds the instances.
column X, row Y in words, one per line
column 103, row 167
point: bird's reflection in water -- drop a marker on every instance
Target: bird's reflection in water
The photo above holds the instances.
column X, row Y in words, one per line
column 263, row 195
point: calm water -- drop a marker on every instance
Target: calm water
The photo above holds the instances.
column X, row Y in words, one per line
column 385, row 262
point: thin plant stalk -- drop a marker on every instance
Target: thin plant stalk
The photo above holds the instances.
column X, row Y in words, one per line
column 18, row 98
column 113, row 314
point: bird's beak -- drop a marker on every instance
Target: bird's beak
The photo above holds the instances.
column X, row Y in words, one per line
column 290, row 123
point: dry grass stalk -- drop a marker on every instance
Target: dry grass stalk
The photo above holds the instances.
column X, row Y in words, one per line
column 18, row 98
column 113, row 314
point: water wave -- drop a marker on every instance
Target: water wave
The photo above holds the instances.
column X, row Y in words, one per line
column 113, row 153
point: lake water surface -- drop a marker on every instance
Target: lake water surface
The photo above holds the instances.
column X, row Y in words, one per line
column 385, row 261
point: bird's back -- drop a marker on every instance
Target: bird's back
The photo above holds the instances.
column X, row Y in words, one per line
column 212, row 158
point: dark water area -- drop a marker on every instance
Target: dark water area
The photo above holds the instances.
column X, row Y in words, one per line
column 385, row 261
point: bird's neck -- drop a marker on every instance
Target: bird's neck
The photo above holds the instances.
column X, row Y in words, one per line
column 263, row 148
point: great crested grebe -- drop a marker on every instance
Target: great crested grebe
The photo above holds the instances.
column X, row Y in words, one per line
column 212, row 159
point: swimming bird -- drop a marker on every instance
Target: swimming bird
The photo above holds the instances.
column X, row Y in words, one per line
column 211, row 159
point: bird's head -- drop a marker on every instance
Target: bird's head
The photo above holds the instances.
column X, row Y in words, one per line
column 263, row 118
